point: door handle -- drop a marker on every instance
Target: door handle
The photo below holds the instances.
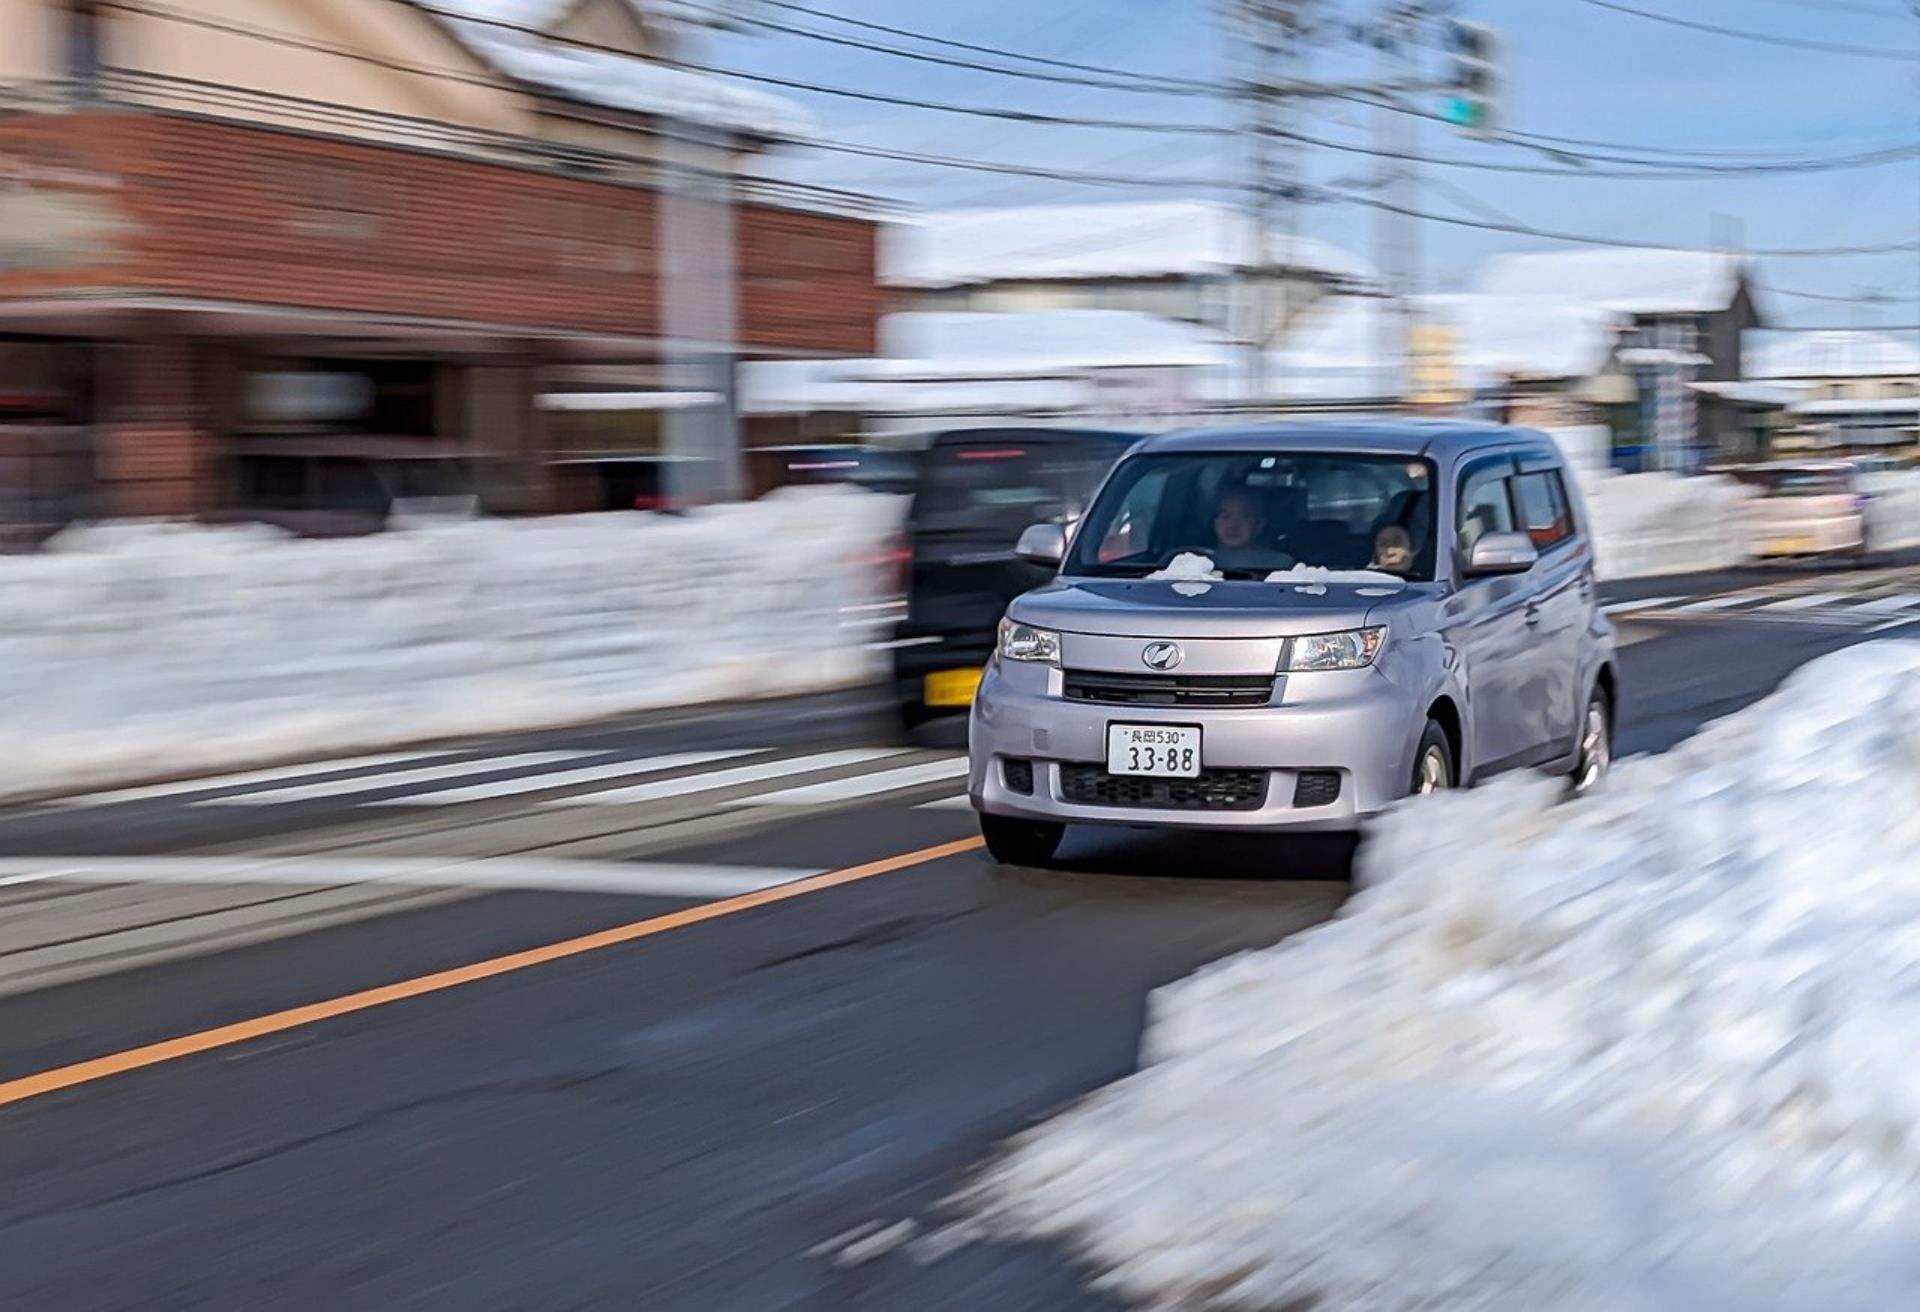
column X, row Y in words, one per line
column 1533, row 613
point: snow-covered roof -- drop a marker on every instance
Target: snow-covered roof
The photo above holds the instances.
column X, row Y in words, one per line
column 1750, row 392
column 1335, row 351
column 945, row 361
column 1883, row 405
column 1149, row 239
column 1528, row 336
column 788, row 387
column 616, row 81
column 964, row 344
column 1839, row 353
column 1648, row 282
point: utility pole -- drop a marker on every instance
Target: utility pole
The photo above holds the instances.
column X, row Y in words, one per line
column 1271, row 33
column 698, row 293
column 1396, row 234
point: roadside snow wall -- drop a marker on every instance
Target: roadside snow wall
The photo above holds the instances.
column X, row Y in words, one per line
column 1645, row 524
column 1655, row 1049
column 140, row 650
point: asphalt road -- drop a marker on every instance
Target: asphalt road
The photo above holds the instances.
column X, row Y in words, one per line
column 702, row 1114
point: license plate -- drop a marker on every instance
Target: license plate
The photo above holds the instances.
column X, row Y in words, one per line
column 1168, row 751
column 1791, row 546
column 951, row 687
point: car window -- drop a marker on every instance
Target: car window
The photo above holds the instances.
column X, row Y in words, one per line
column 1253, row 512
column 994, row 489
column 1485, row 506
column 1130, row 529
column 1544, row 513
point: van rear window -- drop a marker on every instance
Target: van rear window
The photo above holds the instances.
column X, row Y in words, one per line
column 999, row 488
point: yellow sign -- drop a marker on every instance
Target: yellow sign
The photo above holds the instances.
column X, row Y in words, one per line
column 952, row 687
column 1433, row 374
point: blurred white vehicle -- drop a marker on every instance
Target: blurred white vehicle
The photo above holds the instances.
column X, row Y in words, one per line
column 1810, row 508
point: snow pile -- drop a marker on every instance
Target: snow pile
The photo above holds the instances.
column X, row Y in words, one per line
column 1315, row 579
column 1656, row 1049
column 136, row 650
column 1188, row 565
column 1893, row 509
column 1658, row 523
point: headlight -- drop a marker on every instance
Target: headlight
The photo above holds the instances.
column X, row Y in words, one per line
column 1352, row 650
column 1023, row 642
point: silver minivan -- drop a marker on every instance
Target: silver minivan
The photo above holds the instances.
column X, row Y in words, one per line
column 1291, row 628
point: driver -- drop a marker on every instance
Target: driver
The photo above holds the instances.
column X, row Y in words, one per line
column 1239, row 522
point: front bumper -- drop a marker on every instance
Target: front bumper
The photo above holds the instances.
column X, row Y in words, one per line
column 1357, row 723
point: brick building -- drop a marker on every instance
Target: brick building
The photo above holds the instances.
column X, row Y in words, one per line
column 297, row 259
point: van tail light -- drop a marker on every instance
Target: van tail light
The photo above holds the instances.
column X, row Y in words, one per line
column 894, row 561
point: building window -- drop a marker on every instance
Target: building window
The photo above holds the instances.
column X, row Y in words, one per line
column 84, row 42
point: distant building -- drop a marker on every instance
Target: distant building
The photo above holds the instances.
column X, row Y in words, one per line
column 1844, row 389
column 1191, row 261
column 956, row 367
column 1688, row 313
column 308, row 260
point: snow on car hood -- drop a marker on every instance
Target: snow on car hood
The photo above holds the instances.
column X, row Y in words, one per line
column 1193, row 606
column 1657, row 1049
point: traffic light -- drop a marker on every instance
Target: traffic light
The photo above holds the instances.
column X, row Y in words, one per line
column 1473, row 94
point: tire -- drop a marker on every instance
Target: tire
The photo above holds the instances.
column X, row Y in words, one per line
column 1021, row 842
column 1595, row 756
column 1434, row 767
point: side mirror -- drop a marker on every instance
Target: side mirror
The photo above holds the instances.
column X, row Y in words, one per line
column 1042, row 544
column 1501, row 553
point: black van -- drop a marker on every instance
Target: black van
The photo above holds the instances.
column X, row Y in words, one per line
column 974, row 492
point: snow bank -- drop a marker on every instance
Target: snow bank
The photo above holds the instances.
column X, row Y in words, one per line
column 136, row 650
column 1656, row 1049
column 1646, row 524
column 1893, row 511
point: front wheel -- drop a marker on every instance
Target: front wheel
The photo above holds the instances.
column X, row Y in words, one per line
column 1021, row 842
column 1433, row 767
column 1596, row 742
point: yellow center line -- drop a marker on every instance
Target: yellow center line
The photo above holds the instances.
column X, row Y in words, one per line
column 223, row 1036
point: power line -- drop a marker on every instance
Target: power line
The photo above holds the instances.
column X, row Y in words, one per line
column 1588, row 239
column 1655, row 170
column 795, row 84
column 1506, row 226
column 1765, row 38
column 1188, row 83
column 1134, row 83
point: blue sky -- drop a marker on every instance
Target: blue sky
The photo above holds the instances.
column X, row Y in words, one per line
column 1573, row 69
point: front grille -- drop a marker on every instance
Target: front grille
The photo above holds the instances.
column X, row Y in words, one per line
column 1018, row 774
column 1214, row 790
column 1316, row 788
column 1168, row 689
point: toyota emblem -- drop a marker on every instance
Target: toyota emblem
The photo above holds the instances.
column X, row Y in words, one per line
column 1162, row 655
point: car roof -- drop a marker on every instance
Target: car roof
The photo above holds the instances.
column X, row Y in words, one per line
column 1396, row 437
column 1007, row 433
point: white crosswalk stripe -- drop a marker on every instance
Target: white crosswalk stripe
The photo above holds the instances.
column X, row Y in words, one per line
column 860, row 785
column 1897, row 602
column 1811, row 601
column 629, row 781
column 396, row 779
column 655, row 878
column 1865, row 603
column 711, row 780
column 275, row 774
column 1717, row 603
column 586, row 774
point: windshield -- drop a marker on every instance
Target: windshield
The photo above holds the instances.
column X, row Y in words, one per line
column 1808, row 483
column 1253, row 513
